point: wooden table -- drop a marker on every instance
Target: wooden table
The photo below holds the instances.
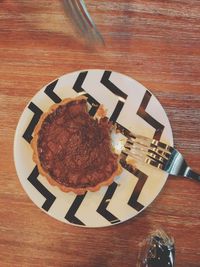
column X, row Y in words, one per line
column 155, row 42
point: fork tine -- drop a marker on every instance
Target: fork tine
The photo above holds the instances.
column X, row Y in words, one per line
column 156, row 157
column 154, row 143
column 142, row 157
column 136, row 145
column 142, row 141
column 142, row 153
column 144, row 149
column 154, row 163
column 137, row 155
column 151, row 149
column 162, row 145
column 160, row 152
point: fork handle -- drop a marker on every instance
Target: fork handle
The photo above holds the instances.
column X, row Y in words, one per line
column 192, row 174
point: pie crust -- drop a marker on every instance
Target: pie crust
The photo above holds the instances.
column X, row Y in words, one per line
column 62, row 144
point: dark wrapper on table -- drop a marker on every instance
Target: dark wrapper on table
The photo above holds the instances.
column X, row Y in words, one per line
column 158, row 250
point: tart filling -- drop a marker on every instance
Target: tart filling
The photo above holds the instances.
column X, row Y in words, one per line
column 73, row 150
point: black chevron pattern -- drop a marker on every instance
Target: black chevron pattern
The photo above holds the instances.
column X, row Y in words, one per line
column 37, row 114
column 79, row 82
column 105, row 80
column 102, row 209
column 79, row 89
column 70, row 216
column 133, row 201
column 50, row 198
column 148, row 118
column 49, row 90
column 142, row 177
column 116, row 111
column 116, row 91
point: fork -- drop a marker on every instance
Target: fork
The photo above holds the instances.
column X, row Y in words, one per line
column 159, row 155
column 80, row 16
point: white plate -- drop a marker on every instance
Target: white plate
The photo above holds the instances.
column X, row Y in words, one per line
column 128, row 103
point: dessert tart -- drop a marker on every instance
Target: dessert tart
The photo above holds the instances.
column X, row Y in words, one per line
column 73, row 150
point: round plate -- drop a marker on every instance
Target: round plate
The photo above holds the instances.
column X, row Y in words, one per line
column 131, row 106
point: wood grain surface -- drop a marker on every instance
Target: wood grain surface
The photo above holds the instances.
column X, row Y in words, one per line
column 155, row 42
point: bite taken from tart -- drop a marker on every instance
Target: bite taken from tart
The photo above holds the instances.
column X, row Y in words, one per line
column 74, row 150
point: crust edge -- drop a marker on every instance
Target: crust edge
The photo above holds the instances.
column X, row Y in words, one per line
column 78, row 191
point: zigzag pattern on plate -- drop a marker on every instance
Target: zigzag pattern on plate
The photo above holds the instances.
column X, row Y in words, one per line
column 37, row 112
column 105, row 80
column 49, row 90
column 70, row 216
column 142, row 177
column 79, row 89
column 102, row 209
column 50, row 198
column 148, row 118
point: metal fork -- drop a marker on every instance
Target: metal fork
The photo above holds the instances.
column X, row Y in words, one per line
column 159, row 155
column 81, row 18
